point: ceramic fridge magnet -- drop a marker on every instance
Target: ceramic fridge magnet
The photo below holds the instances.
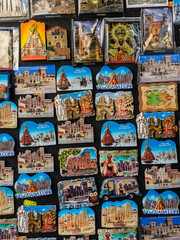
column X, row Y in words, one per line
column 8, row 116
column 7, row 201
column 158, row 152
column 29, row 216
column 122, row 43
column 35, row 79
column 34, row 134
column 116, row 234
column 156, row 125
column 76, row 221
column 159, row 68
column 114, row 134
column 74, row 79
column 119, row 163
column 36, row 106
column 88, row 41
column 29, row 203
column 35, row 186
column 76, row 132
column 166, row 227
column 164, row 203
column 78, row 162
column 120, row 78
column 33, row 41
column 119, row 187
column 114, row 106
column 157, row 29
column 5, row 86
column 34, row 162
column 146, row 4
column 6, row 175
column 7, row 144
column 163, row 177
column 8, row 227
column 158, row 97
column 112, row 217
column 176, row 11
column 74, row 105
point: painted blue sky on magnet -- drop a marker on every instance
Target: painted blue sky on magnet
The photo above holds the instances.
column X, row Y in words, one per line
column 34, row 69
column 105, row 70
column 159, row 220
column 88, row 210
column 73, row 73
column 153, row 195
column 107, row 205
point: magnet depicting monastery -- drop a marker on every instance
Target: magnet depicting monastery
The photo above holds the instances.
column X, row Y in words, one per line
column 8, row 115
column 7, row 201
column 145, row 4
column 8, row 227
column 116, row 234
column 7, row 144
column 6, row 175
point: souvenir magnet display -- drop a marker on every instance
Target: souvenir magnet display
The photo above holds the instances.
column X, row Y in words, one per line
column 35, row 79
column 167, row 227
column 74, row 79
column 57, row 44
column 37, row 134
column 158, row 152
column 116, row 234
column 176, row 10
column 8, row 227
column 112, row 217
column 162, row 177
column 88, row 41
column 76, row 132
column 7, row 144
column 119, row 163
column 114, row 106
column 114, row 134
column 84, row 219
column 164, row 203
column 7, row 201
column 34, row 162
column 157, row 28
column 159, row 68
column 156, row 125
column 158, row 97
column 6, row 175
column 35, row 107
column 28, row 216
column 5, row 86
column 8, row 116
column 33, row 41
column 119, row 187
column 120, row 78
column 78, row 161
column 146, row 4
column 74, row 105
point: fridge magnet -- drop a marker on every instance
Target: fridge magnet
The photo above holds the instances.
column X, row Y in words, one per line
column 7, row 201
column 6, row 175
column 114, row 106
column 57, row 44
column 88, row 41
column 34, row 162
column 146, row 4
column 5, row 86
column 158, row 152
column 33, row 41
column 77, row 193
column 78, row 162
column 49, row 238
column 35, row 186
column 120, row 78
column 119, row 163
column 74, row 79
column 164, row 203
column 158, row 97
column 34, row 134
column 76, row 221
column 8, row 115
column 114, row 134
column 35, row 219
column 9, row 228
column 156, row 125
column 77, row 238
column 166, row 227
column 29, row 203
column 157, row 29
column 119, row 187
column 118, row 214
column 45, row 7
column 100, row 7
column 35, row 79
column 116, row 234
column 76, row 132
column 74, row 105
column 176, row 11
column 122, row 40
column 163, row 177
column 36, row 106
column 159, row 68
column 7, row 144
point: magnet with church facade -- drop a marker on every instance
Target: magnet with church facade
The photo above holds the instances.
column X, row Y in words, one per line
column 8, row 117
column 6, row 175
column 7, row 145
column 7, row 201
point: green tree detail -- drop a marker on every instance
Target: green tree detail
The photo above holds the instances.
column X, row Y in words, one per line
column 63, row 156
